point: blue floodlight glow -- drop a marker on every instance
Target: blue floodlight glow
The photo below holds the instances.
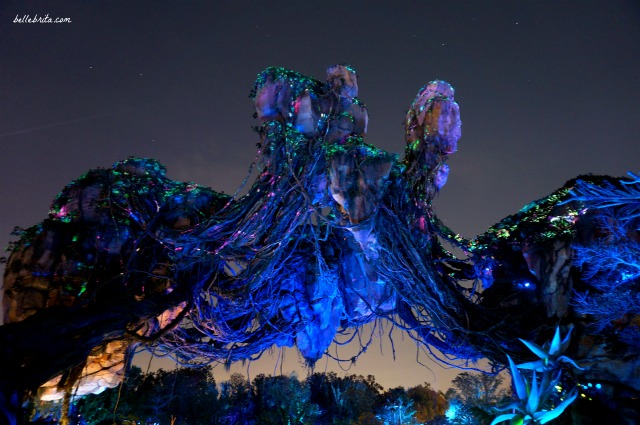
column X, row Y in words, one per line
column 452, row 411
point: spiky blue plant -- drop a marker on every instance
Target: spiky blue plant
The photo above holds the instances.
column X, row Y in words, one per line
column 534, row 395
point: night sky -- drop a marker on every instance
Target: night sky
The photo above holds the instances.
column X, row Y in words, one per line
column 547, row 90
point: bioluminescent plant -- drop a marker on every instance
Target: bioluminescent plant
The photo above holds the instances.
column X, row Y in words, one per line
column 534, row 395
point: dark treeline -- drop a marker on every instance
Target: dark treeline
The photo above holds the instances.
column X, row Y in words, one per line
column 189, row 396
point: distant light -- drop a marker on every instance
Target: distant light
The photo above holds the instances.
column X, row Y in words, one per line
column 598, row 386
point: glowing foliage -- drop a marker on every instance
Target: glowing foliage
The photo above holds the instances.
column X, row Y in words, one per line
column 610, row 262
column 533, row 394
column 550, row 353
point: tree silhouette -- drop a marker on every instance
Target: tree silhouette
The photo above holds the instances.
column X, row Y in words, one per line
column 429, row 403
column 344, row 399
column 282, row 400
column 398, row 412
column 473, row 395
column 179, row 396
column 236, row 401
